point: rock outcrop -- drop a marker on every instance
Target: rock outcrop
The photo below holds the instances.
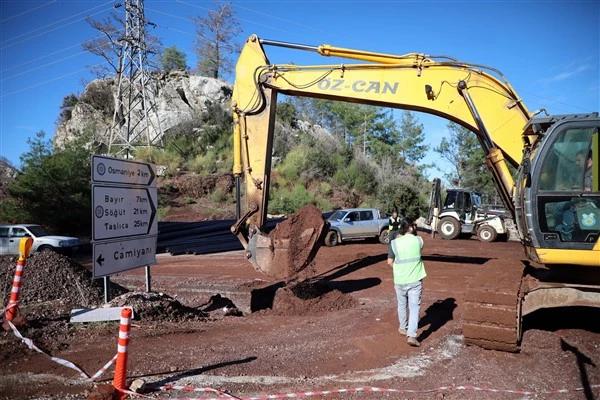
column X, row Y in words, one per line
column 179, row 98
column 7, row 174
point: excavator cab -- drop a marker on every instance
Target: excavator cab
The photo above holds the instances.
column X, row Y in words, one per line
column 563, row 184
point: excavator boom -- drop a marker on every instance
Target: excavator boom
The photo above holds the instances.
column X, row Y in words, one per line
column 446, row 88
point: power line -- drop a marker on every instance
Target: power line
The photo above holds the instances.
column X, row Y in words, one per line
column 50, row 80
column 48, row 55
column 51, row 30
column 554, row 101
column 245, row 20
column 168, row 15
column 173, row 16
column 55, row 22
column 25, row 12
column 42, row 66
column 287, row 21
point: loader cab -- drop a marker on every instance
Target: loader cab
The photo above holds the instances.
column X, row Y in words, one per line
column 463, row 203
column 562, row 197
column 462, row 214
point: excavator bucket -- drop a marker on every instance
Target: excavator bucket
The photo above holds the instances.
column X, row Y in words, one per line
column 291, row 246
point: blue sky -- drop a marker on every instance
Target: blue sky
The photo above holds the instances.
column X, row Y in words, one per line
column 548, row 50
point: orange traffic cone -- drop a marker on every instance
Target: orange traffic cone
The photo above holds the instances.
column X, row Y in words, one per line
column 12, row 313
column 120, row 378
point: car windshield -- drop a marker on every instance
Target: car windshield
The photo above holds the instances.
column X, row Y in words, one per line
column 38, row 231
column 337, row 216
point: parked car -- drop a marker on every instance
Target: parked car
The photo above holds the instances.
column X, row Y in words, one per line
column 10, row 236
column 357, row 223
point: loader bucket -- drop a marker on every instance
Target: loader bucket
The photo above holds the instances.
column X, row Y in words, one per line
column 291, row 246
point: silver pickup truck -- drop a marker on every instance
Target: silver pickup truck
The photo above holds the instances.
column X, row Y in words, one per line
column 357, row 223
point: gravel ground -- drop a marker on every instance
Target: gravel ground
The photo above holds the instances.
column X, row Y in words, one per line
column 214, row 322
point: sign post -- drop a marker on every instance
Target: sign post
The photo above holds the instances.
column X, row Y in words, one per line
column 124, row 216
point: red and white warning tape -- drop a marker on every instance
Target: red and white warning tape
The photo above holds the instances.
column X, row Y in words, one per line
column 193, row 389
column 10, row 305
column 362, row 389
column 228, row 396
column 60, row 361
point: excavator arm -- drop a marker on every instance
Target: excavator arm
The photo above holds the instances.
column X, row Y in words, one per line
column 467, row 94
column 542, row 148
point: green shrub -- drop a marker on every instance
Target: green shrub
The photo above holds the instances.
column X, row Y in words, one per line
column 324, row 204
column 400, row 196
column 225, row 165
column 203, row 164
column 284, row 201
column 218, row 196
column 162, row 212
column 358, row 177
column 293, row 164
column 147, row 154
column 171, row 161
column 325, row 188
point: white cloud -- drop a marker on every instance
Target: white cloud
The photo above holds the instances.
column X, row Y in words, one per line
column 571, row 72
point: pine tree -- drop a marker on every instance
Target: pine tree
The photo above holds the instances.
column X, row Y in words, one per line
column 173, row 58
column 216, row 40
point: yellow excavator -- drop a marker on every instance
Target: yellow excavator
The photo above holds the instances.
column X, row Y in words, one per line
column 553, row 197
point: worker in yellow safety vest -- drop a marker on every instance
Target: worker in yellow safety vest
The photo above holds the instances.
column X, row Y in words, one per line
column 404, row 256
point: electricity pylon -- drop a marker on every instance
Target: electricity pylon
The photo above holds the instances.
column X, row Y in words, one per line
column 135, row 120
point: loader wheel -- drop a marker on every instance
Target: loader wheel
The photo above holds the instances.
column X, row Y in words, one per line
column 331, row 239
column 486, row 234
column 449, row 228
column 384, row 237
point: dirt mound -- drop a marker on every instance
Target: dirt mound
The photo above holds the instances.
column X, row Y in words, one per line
column 157, row 307
column 305, row 232
column 53, row 285
column 309, row 297
column 52, row 279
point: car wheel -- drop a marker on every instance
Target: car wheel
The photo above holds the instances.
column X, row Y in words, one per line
column 487, row 234
column 45, row 249
column 331, row 239
column 449, row 228
column 384, row 237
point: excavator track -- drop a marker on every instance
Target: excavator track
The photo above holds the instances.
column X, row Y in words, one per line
column 491, row 317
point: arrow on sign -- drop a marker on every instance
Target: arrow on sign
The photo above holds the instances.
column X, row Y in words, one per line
column 123, row 212
column 121, row 255
column 115, row 170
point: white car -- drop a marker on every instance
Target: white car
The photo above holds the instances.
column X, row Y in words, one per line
column 10, row 237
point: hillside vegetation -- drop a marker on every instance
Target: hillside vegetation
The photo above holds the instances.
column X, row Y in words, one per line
column 330, row 154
